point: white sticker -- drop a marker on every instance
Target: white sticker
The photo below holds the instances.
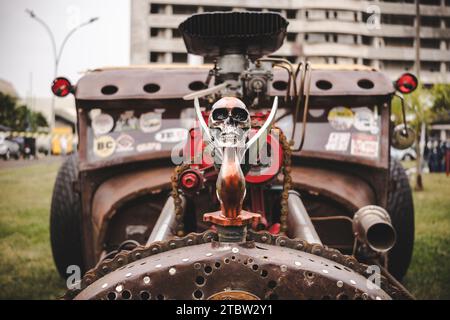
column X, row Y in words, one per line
column 341, row 118
column 364, row 145
column 150, row 121
column 338, row 141
column 365, row 120
column 102, row 124
column 149, row 146
column 172, row 135
column 126, row 121
column 135, row 229
column 124, row 143
column 104, row 146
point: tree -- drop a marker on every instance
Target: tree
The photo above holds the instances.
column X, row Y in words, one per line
column 426, row 106
column 19, row 117
column 441, row 103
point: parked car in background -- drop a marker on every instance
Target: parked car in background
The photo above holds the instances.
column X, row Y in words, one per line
column 9, row 148
column 406, row 154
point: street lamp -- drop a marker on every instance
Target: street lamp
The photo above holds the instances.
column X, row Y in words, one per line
column 57, row 53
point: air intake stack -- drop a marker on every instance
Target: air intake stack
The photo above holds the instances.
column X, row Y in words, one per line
column 216, row 34
column 235, row 40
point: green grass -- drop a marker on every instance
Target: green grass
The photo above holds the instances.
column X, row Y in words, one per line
column 26, row 264
column 429, row 274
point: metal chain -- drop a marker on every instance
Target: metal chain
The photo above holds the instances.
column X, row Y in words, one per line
column 179, row 211
column 121, row 259
column 287, row 180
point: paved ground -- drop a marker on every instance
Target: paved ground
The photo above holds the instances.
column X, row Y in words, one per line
column 12, row 163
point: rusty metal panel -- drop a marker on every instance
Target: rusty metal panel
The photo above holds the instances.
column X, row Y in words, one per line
column 347, row 189
column 130, row 83
column 114, row 192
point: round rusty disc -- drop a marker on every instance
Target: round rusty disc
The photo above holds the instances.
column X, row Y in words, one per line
column 230, row 270
column 233, row 295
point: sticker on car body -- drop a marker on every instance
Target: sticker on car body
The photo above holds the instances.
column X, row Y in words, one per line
column 341, row 118
column 149, row 146
column 102, row 124
column 124, row 143
column 338, row 141
column 127, row 121
column 364, row 145
column 150, row 122
column 365, row 120
column 172, row 135
column 104, row 146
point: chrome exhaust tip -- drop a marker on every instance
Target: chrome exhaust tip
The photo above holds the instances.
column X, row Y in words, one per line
column 372, row 226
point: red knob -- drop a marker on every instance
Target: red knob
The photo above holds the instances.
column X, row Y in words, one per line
column 190, row 180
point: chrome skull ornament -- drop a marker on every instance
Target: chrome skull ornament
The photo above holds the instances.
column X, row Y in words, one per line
column 229, row 122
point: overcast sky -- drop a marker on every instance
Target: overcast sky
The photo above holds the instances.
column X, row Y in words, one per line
column 26, row 52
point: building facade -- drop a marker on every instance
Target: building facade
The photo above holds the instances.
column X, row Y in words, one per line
column 378, row 33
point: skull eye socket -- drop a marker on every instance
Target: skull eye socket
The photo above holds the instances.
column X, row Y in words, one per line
column 239, row 114
column 220, row 114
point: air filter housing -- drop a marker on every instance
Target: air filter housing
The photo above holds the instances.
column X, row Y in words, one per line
column 220, row 33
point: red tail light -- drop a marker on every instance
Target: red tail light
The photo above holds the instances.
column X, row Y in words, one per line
column 407, row 83
column 61, row 87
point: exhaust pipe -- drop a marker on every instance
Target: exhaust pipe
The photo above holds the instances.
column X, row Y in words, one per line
column 372, row 226
column 300, row 225
column 165, row 225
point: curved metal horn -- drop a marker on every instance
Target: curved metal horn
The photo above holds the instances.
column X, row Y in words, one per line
column 265, row 126
column 205, row 127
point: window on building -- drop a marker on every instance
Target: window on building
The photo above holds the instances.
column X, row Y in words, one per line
column 184, row 9
column 431, row 66
column 431, row 2
column 156, row 32
column 398, row 42
column 345, row 15
column 291, row 14
column 315, row 38
column 155, row 56
column 291, row 37
column 216, row 8
column 367, row 62
column 157, row 8
column 254, row 9
column 345, row 39
column 367, row 40
column 430, row 43
column 176, row 33
column 400, row 65
column 433, row 22
column 179, row 57
column 397, row 19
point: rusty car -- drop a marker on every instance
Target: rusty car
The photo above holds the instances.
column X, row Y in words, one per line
column 250, row 178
